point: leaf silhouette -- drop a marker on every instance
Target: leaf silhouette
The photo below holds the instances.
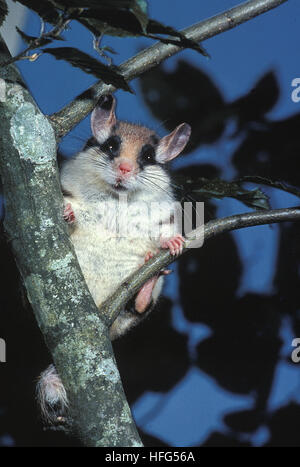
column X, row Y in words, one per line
column 186, row 94
column 271, row 151
column 89, row 65
column 217, row 188
column 137, row 7
column 124, row 23
column 261, row 99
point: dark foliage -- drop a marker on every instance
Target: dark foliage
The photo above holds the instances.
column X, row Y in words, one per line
column 266, row 147
column 201, row 188
column 167, row 360
column 172, row 101
column 106, row 17
column 114, row 17
column 3, row 11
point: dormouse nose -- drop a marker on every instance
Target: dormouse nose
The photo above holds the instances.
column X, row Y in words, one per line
column 125, row 167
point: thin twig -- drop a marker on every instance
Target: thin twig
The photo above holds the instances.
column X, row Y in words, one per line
column 38, row 42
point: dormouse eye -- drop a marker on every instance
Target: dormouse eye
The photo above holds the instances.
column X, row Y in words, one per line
column 111, row 146
column 148, row 154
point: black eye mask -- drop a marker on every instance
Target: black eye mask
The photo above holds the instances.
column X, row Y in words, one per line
column 111, row 147
column 147, row 156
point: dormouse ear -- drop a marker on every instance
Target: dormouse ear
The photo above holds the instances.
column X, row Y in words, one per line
column 172, row 145
column 103, row 118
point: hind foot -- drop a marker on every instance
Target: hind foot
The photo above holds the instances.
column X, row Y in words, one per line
column 144, row 296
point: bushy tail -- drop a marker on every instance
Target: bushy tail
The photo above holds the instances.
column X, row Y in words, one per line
column 52, row 397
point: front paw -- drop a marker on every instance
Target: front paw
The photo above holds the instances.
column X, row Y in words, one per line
column 69, row 215
column 174, row 244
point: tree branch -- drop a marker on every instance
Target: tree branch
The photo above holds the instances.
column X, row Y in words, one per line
column 113, row 305
column 64, row 120
column 65, row 311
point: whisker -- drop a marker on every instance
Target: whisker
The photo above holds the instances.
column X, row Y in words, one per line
column 148, row 179
column 157, row 177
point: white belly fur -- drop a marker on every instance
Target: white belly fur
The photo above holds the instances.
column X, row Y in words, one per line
column 106, row 260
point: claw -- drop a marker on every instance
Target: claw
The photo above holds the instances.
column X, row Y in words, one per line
column 174, row 244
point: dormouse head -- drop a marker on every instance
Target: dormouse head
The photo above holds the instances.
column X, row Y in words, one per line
column 132, row 157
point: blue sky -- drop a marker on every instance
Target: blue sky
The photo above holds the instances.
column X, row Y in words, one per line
column 239, row 58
